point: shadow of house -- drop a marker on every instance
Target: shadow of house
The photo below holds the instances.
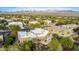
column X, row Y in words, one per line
column 5, row 35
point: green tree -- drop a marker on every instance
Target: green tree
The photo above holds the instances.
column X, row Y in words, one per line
column 76, row 29
column 53, row 21
column 76, row 48
column 66, row 42
column 9, row 41
column 60, row 22
column 14, row 27
column 25, row 46
column 35, row 25
column 55, row 36
column 54, row 45
column 3, row 24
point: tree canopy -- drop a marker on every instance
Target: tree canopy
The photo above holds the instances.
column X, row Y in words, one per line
column 14, row 27
column 54, row 45
column 25, row 46
column 37, row 25
column 3, row 24
column 76, row 29
column 66, row 42
column 9, row 41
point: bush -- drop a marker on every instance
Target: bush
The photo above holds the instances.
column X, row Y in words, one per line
column 60, row 22
column 3, row 24
column 25, row 46
column 14, row 27
column 54, row 45
column 35, row 25
column 66, row 42
column 76, row 29
column 9, row 41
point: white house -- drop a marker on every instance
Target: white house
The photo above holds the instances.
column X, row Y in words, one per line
column 36, row 35
column 38, row 32
column 22, row 36
column 41, row 35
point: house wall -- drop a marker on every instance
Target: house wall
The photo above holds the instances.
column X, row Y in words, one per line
column 1, row 37
column 44, row 40
column 23, row 40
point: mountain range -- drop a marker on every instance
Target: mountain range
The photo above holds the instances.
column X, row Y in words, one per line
column 41, row 9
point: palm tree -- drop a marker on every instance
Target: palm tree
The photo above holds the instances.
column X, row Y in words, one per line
column 14, row 29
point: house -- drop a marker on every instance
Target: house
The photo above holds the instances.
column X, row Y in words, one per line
column 8, row 20
column 14, row 19
column 16, row 23
column 37, row 18
column 41, row 36
column 37, row 35
column 64, row 30
column 47, row 22
column 2, row 18
column 22, row 36
column 34, row 22
column 26, row 19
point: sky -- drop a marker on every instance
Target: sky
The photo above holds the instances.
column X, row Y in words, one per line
column 39, row 3
column 37, row 8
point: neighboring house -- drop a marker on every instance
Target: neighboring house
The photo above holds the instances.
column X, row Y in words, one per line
column 17, row 23
column 47, row 22
column 62, row 30
column 38, row 18
column 25, row 19
column 8, row 20
column 34, row 22
column 14, row 19
column 37, row 35
column 2, row 18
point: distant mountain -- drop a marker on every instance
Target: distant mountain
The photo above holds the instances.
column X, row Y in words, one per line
column 40, row 9
column 67, row 11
